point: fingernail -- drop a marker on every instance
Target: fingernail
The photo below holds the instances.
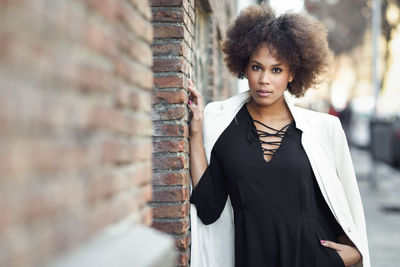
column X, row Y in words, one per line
column 190, row 102
column 322, row 241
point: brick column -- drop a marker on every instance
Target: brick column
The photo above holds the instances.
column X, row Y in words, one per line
column 172, row 49
column 76, row 134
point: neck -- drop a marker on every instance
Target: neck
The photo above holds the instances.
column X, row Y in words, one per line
column 276, row 111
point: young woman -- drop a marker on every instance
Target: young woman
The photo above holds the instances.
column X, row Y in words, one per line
column 273, row 184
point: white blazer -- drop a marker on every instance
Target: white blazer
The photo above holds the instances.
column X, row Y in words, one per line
column 325, row 144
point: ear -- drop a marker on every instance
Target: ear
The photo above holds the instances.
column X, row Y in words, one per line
column 291, row 77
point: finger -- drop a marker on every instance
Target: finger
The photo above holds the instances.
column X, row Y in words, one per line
column 193, row 89
column 331, row 244
column 192, row 105
column 197, row 98
column 200, row 101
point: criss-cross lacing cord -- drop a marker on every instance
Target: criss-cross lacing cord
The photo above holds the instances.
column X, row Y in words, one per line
column 278, row 133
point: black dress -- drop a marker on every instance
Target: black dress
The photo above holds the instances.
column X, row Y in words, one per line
column 280, row 215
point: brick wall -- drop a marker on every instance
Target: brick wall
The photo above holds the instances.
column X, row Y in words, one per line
column 187, row 36
column 76, row 126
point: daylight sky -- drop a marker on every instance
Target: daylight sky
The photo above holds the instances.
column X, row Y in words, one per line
column 281, row 6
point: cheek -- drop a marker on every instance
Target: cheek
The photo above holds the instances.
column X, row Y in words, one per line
column 281, row 82
column 252, row 80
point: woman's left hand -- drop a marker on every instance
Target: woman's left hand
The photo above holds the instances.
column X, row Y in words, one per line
column 349, row 254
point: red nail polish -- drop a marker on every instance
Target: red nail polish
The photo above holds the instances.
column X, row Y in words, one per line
column 190, row 102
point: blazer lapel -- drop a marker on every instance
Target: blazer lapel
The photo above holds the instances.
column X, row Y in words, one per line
column 324, row 172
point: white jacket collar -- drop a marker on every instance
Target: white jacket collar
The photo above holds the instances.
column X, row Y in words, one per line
column 237, row 101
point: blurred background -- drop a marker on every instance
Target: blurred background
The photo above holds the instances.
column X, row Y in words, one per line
column 94, row 167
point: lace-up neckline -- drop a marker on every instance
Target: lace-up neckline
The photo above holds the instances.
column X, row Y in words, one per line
column 270, row 139
column 275, row 143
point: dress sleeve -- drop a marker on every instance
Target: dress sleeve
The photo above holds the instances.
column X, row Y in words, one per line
column 211, row 192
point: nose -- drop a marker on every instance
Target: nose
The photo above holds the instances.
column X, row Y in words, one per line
column 264, row 78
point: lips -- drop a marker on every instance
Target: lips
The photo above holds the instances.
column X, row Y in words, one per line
column 263, row 93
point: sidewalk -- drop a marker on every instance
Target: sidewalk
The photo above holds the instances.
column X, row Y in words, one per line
column 381, row 206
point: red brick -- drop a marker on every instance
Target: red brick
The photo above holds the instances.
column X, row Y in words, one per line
column 97, row 38
column 70, row 156
column 102, row 187
column 114, row 120
column 170, row 64
column 182, row 242
column 141, row 52
column 141, row 197
column 173, row 113
column 189, row 25
column 182, row 259
column 179, row 145
column 171, row 178
column 134, row 73
column 169, row 31
column 107, row 8
column 165, row 3
column 84, row 77
column 141, row 175
column 172, row 227
column 171, row 211
column 147, row 216
column 166, row 130
column 140, row 26
column 169, row 162
column 185, row 5
column 170, row 97
column 170, row 194
column 167, row 15
column 169, row 81
column 143, row 7
column 114, row 152
column 136, row 100
column 188, row 37
column 170, row 49
column 49, row 198
column 191, row 14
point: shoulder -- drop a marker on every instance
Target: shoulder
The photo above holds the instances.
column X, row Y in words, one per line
column 213, row 106
column 318, row 119
column 227, row 105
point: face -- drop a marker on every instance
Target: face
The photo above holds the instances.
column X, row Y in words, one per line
column 267, row 77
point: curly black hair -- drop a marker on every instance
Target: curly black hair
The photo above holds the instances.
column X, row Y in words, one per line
column 295, row 39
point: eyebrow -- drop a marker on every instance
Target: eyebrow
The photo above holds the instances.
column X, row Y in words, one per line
column 274, row 65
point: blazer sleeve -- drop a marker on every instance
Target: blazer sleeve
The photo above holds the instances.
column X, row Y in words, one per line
column 346, row 174
column 210, row 193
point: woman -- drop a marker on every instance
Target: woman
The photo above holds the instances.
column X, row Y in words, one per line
column 273, row 184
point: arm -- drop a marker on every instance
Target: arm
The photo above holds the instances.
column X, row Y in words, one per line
column 210, row 191
column 197, row 156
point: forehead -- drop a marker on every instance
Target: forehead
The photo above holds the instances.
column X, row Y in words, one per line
column 265, row 55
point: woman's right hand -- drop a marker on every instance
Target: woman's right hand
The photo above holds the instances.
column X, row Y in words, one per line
column 196, row 107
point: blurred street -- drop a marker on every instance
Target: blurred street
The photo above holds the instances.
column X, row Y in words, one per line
column 382, row 209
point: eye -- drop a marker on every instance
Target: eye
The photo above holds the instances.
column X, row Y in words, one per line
column 276, row 70
column 256, row 68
